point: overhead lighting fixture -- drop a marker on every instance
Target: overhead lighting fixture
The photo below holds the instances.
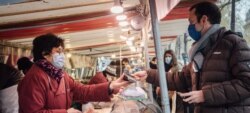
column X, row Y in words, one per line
column 113, row 56
column 133, row 49
column 142, row 44
column 117, row 8
column 67, row 46
column 68, row 55
column 129, row 43
column 140, row 55
column 111, row 40
column 123, row 23
column 121, row 17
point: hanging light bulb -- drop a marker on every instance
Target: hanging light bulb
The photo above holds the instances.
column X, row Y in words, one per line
column 113, row 56
column 68, row 55
column 117, row 8
column 129, row 43
column 141, row 44
column 133, row 49
column 121, row 17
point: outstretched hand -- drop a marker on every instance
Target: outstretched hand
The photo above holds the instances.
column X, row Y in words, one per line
column 118, row 84
column 140, row 75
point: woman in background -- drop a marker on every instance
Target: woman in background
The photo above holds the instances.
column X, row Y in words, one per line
column 171, row 66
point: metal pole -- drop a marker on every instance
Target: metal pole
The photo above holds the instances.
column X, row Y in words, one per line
column 157, row 41
column 233, row 16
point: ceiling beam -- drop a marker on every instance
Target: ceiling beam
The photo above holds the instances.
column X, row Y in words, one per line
column 61, row 28
column 109, row 44
column 47, row 7
column 182, row 10
column 95, row 46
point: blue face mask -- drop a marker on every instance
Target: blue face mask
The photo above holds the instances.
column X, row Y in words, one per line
column 58, row 60
column 195, row 35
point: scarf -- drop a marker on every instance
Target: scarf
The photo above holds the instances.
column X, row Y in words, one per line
column 51, row 70
column 194, row 54
column 167, row 67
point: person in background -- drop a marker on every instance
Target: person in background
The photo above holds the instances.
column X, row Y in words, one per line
column 217, row 78
column 126, row 68
column 24, row 64
column 170, row 61
column 46, row 88
column 9, row 78
column 171, row 66
column 153, row 63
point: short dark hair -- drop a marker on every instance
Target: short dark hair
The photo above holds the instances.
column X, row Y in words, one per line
column 24, row 63
column 43, row 44
column 209, row 9
column 154, row 58
column 125, row 60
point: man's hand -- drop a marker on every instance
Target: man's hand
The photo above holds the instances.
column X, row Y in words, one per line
column 193, row 97
column 72, row 110
column 118, row 84
column 140, row 75
column 90, row 110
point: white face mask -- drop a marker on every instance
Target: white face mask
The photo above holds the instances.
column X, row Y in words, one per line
column 58, row 60
column 168, row 60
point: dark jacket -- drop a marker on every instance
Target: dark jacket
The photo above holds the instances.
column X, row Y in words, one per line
column 9, row 76
column 224, row 78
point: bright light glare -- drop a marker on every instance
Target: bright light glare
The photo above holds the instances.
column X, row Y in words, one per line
column 68, row 55
column 117, row 9
column 123, row 37
column 121, row 17
column 113, row 56
column 129, row 43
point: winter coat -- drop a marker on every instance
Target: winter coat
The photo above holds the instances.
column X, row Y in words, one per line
column 9, row 78
column 39, row 93
column 224, row 78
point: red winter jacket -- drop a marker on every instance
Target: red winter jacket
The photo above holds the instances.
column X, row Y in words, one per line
column 39, row 93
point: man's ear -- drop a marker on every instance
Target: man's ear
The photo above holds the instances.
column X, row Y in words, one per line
column 204, row 19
